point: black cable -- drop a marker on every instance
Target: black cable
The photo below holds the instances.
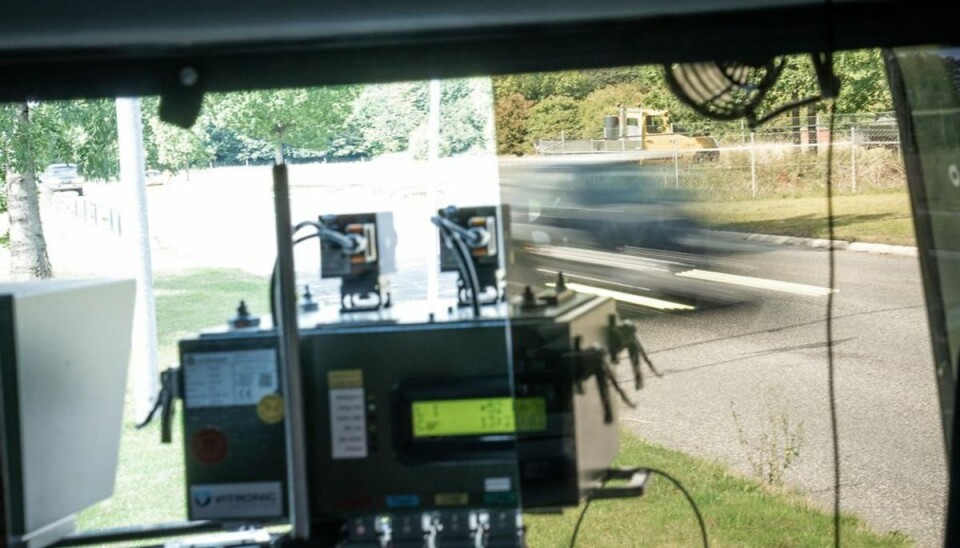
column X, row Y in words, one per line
column 156, row 405
column 576, row 529
column 826, row 71
column 345, row 242
column 675, row 482
column 276, row 270
column 831, row 375
column 693, row 504
column 468, row 272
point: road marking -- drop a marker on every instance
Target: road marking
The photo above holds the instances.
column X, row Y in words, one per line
column 599, row 257
column 759, row 283
column 588, row 278
column 648, row 302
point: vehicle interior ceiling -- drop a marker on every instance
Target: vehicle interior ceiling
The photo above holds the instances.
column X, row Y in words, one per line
column 182, row 52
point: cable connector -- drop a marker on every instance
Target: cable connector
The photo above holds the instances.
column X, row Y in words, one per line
column 169, row 390
column 623, row 336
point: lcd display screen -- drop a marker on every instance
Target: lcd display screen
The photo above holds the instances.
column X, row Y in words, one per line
column 478, row 416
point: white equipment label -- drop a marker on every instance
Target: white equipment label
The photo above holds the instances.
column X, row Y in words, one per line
column 236, row 500
column 221, row 379
column 496, row 484
column 348, row 423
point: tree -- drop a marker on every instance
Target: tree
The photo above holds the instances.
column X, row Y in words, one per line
column 303, row 118
column 511, row 112
column 555, row 116
column 28, row 248
column 81, row 132
column 392, row 118
column 463, row 123
column 177, row 148
column 382, row 118
column 863, row 80
column 604, row 101
column 539, row 86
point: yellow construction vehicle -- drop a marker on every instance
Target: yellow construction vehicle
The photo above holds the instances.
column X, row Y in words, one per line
column 638, row 129
column 652, row 130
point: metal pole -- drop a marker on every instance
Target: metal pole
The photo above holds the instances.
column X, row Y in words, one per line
column 853, row 159
column 753, row 167
column 143, row 356
column 288, row 339
column 433, row 157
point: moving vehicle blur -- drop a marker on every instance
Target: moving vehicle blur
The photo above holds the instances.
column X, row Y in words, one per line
column 608, row 222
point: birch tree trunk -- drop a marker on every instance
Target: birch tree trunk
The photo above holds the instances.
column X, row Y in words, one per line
column 28, row 248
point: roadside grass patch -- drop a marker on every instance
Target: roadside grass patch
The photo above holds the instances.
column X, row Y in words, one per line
column 150, row 487
column 737, row 511
column 878, row 218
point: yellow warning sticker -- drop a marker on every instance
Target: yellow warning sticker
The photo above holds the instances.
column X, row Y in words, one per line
column 345, row 378
column 270, row 408
column 451, row 499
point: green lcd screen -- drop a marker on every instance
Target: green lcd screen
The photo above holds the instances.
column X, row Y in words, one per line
column 478, row 417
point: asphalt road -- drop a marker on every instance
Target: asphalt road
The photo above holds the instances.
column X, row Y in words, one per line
column 766, row 359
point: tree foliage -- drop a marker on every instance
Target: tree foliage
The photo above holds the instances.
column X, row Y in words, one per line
column 392, row 118
column 604, row 101
column 528, row 105
column 308, row 117
column 554, row 117
column 511, row 111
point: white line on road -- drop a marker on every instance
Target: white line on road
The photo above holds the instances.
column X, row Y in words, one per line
column 648, row 302
column 760, row 283
column 600, row 257
column 588, row 278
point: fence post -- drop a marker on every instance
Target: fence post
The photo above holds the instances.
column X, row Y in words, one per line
column 563, row 143
column 753, row 167
column 96, row 217
column 853, row 159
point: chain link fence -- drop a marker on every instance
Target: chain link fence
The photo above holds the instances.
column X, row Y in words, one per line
column 782, row 159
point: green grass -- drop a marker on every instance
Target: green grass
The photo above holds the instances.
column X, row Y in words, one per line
column 738, row 511
column 149, row 486
column 879, row 218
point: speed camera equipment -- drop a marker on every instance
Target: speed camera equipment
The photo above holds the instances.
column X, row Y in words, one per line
column 424, row 426
column 472, row 245
column 358, row 249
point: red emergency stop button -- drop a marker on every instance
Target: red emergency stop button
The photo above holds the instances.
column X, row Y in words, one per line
column 209, row 446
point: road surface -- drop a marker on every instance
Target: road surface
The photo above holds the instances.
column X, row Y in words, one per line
column 768, row 358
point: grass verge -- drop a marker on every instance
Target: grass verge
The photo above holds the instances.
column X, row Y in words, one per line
column 150, row 487
column 878, row 218
column 738, row 511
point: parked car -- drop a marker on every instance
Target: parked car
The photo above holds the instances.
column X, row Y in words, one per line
column 62, row 178
column 155, row 177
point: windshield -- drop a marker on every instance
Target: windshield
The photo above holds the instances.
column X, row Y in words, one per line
column 683, row 266
column 62, row 171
